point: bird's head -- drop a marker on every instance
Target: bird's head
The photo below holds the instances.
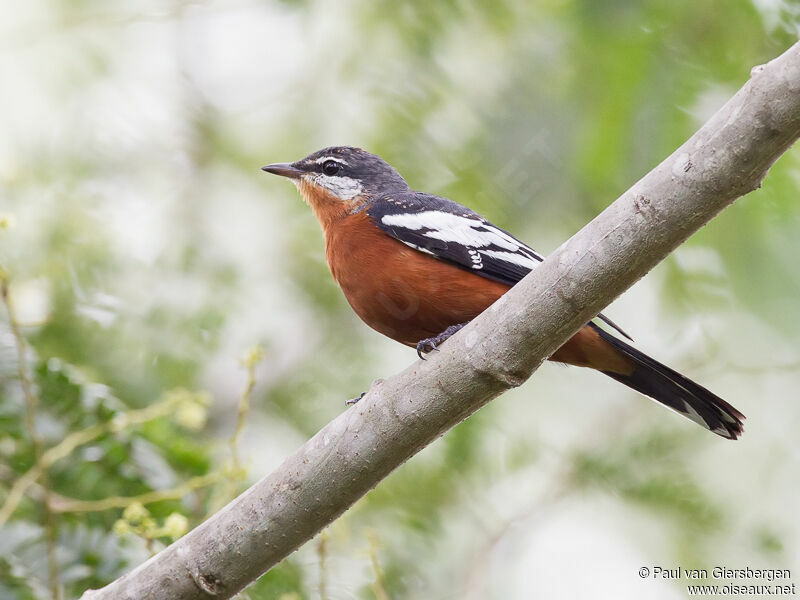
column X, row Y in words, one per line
column 340, row 177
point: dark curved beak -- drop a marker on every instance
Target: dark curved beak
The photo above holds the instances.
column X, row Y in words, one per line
column 284, row 170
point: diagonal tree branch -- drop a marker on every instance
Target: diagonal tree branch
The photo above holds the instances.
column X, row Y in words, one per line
column 727, row 158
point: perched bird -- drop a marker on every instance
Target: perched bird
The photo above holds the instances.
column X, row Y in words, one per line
column 417, row 268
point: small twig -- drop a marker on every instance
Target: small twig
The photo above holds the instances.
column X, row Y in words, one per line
column 31, row 405
column 76, row 439
column 378, row 586
column 236, row 472
column 322, row 553
column 250, row 361
column 63, row 504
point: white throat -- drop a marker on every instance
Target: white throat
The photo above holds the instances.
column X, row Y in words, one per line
column 344, row 188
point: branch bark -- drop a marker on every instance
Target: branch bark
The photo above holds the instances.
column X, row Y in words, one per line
column 727, row 158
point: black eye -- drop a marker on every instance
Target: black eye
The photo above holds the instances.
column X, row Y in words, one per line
column 330, row 167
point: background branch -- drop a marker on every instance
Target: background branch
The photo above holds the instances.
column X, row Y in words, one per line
column 727, row 158
column 31, row 407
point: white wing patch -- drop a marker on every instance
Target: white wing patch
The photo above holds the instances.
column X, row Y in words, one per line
column 475, row 234
column 420, row 248
column 475, row 257
column 516, row 258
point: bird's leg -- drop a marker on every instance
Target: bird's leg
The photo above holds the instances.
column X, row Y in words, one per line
column 432, row 343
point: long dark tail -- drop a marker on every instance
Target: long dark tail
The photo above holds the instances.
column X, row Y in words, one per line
column 672, row 389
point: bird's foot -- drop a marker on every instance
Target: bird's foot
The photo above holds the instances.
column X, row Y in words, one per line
column 432, row 343
column 353, row 401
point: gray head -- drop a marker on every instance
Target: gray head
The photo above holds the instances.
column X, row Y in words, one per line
column 343, row 171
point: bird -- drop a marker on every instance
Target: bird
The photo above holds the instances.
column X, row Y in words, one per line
column 418, row 267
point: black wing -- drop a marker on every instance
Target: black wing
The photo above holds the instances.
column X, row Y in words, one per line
column 456, row 234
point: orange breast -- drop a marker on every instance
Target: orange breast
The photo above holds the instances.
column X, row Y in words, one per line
column 399, row 291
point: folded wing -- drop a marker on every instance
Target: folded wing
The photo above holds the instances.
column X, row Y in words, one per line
column 454, row 233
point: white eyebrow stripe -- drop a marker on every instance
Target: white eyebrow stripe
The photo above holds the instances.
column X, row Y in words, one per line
column 322, row 159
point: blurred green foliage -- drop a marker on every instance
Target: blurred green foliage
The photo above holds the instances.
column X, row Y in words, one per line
column 147, row 253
